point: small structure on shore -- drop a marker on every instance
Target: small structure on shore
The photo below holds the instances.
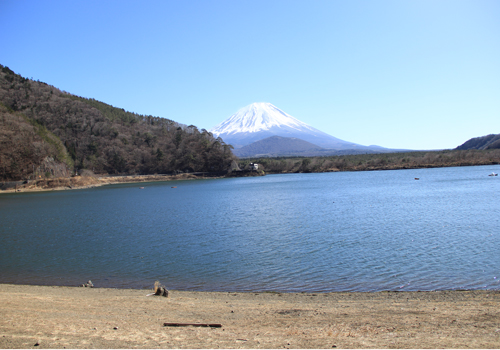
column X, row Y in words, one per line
column 250, row 169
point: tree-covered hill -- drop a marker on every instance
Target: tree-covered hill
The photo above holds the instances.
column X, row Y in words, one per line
column 39, row 121
column 278, row 145
column 491, row 141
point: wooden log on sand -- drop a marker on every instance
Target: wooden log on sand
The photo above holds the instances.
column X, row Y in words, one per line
column 213, row 325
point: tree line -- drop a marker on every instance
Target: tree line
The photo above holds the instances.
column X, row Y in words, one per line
column 381, row 161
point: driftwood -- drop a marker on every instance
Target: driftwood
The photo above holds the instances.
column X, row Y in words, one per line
column 213, row 325
column 160, row 289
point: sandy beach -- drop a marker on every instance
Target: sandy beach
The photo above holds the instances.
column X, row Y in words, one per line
column 77, row 317
column 81, row 182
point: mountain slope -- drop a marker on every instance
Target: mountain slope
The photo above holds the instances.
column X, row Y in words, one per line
column 16, row 132
column 261, row 120
column 491, row 141
column 278, row 145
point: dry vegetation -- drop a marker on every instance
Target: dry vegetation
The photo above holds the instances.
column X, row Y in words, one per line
column 383, row 161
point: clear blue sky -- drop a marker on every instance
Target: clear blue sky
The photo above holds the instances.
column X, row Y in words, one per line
column 399, row 74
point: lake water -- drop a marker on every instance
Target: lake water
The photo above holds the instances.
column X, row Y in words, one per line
column 348, row 231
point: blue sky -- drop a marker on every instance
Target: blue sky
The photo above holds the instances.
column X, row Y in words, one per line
column 399, row 74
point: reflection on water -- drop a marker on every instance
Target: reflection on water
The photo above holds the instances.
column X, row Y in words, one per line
column 350, row 231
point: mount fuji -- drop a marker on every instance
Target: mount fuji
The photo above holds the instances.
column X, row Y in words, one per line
column 261, row 120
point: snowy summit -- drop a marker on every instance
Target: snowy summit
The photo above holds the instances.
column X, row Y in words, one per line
column 259, row 116
column 260, row 120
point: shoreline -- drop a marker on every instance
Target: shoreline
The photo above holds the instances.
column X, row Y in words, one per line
column 79, row 183
column 263, row 291
column 249, row 291
column 76, row 317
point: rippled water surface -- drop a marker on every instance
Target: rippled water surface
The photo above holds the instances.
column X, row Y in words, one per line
column 349, row 231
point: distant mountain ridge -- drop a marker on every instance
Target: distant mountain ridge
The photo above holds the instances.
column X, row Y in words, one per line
column 491, row 141
column 278, row 145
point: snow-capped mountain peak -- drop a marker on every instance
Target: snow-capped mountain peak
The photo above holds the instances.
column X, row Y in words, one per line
column 259, row 116
column 261, row 120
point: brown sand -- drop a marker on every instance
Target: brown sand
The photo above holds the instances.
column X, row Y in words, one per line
column 72, row 317
column 82, row 182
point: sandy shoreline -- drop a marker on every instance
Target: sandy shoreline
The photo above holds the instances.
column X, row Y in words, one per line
column 78, row 182
column 73, row 317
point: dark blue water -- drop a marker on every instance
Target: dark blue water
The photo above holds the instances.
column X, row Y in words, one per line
column 349, row 231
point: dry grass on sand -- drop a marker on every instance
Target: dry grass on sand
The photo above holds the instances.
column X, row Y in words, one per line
column 59, row 317
column 81, row 182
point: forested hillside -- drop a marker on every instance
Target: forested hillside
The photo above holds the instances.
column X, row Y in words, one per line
column 491, row 141
column 40, row 124
column 277, row 145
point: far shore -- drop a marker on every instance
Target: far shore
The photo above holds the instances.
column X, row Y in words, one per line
column 78, row 317
column 82, row 182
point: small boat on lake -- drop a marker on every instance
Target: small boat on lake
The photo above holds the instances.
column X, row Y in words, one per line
column 493, row 174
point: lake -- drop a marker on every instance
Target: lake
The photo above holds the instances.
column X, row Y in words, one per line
column 345, row 231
